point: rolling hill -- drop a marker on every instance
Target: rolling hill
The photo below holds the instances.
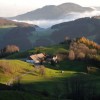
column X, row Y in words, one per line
column 17, row 33
column 88, row 27
column 6, row 22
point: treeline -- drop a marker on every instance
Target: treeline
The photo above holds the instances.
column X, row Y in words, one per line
column 85, row 49
column 8, row 50
column 90, row 44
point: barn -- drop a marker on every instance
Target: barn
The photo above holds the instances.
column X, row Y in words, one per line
column 36, row 58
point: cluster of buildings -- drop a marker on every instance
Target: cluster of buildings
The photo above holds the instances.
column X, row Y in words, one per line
column 41, row 58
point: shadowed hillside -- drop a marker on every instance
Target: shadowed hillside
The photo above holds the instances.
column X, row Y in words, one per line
column 88, row 27
column 18, row 36
column 16, row 33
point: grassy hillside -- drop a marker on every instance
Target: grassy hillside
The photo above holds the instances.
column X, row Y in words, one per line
column 28, row 81
column 52, row 84
column 68, row 79
column 12, row 68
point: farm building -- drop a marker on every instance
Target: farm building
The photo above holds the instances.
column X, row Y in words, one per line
column 36, row 58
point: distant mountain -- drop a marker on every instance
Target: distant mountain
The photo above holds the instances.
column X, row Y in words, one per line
column 88, row 27
column 52, row 12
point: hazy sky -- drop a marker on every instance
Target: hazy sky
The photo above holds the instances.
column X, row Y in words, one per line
column 15, row 7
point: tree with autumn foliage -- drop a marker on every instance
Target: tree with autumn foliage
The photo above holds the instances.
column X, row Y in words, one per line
column 9, row 49
column 89, row 43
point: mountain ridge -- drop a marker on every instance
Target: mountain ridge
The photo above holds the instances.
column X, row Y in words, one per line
column 52, row 12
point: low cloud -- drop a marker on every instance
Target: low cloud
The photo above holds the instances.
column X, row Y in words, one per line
column 65, row 18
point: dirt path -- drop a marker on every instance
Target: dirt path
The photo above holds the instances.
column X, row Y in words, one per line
column 17, row 78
